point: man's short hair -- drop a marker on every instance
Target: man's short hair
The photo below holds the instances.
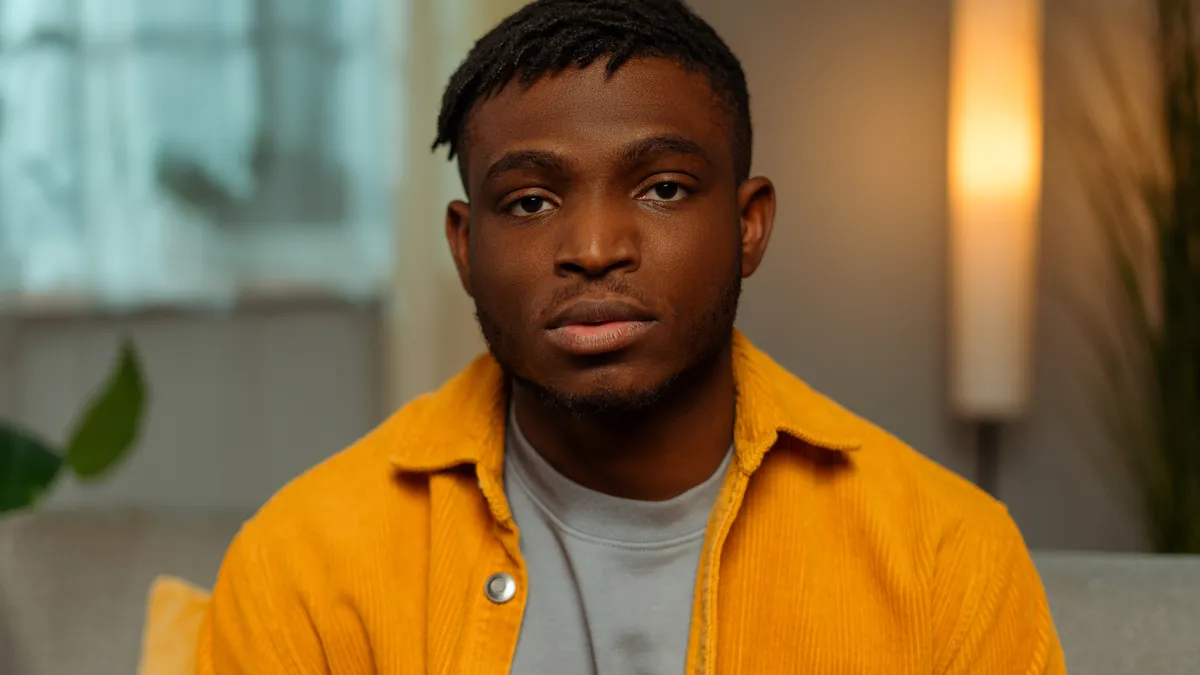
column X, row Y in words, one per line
column 549, row 35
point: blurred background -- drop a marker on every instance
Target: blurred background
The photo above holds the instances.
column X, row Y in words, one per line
column 243, row 189
column 222, row 261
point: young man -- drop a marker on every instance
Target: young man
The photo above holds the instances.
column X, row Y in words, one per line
column 625, row 484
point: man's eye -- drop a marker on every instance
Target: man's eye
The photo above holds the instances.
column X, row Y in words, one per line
column 665, row 192
column 529, row 206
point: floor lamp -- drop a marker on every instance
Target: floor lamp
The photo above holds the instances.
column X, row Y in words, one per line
column 995, row 157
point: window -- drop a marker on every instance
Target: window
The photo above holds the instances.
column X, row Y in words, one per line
column 195, row 150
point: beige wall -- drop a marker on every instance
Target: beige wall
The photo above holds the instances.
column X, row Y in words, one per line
column 849, row 101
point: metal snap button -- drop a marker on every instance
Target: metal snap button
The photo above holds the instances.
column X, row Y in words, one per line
column 500, row 588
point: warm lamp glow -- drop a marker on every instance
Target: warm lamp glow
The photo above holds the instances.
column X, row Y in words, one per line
column 995, row 182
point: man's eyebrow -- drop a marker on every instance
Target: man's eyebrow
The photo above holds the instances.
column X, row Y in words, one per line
column 646, row 149
column 517, row 160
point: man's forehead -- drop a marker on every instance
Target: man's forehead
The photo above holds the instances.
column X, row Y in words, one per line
column 644, row 97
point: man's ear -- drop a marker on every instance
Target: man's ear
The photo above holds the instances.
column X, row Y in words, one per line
column 458, row 235
column 756, row 201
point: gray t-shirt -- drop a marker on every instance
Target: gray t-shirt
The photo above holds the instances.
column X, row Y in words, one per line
column 611, row 580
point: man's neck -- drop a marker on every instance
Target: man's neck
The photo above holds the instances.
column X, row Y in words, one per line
column 654, row 454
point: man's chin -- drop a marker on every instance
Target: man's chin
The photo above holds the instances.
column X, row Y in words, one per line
column 596, row 401
column 614, row 390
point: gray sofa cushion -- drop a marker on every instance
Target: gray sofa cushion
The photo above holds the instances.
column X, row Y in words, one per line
column 1125, row 614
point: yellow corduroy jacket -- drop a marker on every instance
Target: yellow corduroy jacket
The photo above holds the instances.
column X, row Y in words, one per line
column 833, row 548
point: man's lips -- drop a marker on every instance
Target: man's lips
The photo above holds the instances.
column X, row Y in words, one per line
column 593, row 327
column 598, row 311
column 601, row 338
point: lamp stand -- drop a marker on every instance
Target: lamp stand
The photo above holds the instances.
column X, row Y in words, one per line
column 987, row 457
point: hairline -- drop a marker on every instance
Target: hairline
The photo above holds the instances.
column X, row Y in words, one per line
column 724, row 100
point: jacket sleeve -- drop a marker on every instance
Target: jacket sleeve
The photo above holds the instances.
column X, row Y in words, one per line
column 257, row 623
column 991, row 613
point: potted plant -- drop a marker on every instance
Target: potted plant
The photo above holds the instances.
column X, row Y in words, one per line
column 1144, row 189
column 102, row 434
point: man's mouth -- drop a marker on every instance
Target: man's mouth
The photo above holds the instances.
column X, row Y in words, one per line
column 598, row 326
column 592, row 339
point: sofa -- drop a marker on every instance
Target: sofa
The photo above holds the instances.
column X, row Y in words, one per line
column 73, row 594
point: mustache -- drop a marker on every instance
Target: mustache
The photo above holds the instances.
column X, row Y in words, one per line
column 606, row 286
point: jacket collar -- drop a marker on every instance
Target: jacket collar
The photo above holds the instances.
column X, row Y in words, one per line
column 463, row 422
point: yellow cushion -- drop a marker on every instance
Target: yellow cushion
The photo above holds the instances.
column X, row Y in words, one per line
column 173, row 617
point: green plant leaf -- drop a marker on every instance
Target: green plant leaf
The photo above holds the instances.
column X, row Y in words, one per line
column 1142, row 180
column 27, row 468
column 111, row 422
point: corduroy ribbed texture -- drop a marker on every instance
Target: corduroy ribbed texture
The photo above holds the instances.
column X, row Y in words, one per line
column 833, row 548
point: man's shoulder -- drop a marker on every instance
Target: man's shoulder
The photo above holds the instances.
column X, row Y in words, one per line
column 896, row 478
column 353, row 491
column 886, row 469
column 885, row 478
column 965, row 552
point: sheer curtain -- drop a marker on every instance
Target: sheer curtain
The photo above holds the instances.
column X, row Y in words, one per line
column 191, row 151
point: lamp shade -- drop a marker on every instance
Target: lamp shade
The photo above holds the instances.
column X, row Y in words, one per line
column 995, row 157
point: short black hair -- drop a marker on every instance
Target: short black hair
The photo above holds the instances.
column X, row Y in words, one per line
column 550, row 35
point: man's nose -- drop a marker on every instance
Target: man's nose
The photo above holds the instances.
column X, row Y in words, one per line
column 598, row 237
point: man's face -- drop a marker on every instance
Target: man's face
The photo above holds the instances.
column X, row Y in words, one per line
column 606, row 235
